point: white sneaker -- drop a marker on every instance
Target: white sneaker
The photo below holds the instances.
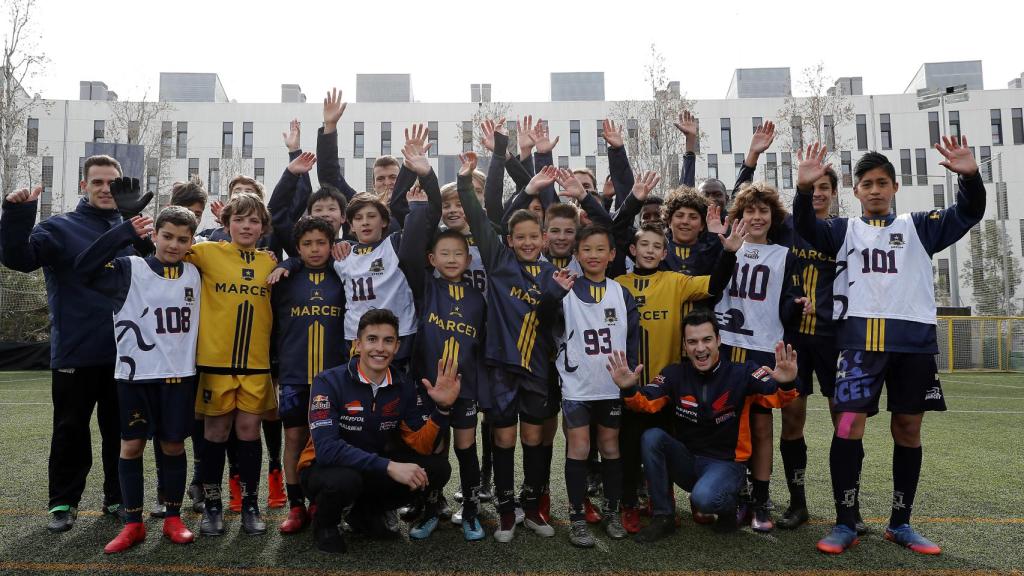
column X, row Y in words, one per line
column 457, row 517
column 505, row 534
column 539, row 527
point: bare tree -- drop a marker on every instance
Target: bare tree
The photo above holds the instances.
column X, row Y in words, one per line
column 22, row 62
column 822, row 115
column 236, row 164
column 493, row 111
column 651, row 138
column 142, row 122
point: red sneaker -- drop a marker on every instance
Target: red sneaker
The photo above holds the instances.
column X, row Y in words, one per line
column 235, row 487
column 544, row 507
column 133, row 533
column 276, row 496
column 593, row 514
column 176, row 531
column 700, row 517
column 298, row 518
column 631, row 519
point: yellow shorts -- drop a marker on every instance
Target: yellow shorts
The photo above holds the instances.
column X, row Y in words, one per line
column 223, row 393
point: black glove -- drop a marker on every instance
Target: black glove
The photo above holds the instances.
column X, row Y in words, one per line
column 129, row 197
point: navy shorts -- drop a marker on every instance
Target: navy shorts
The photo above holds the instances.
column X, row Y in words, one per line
column 816, row 356
column 530, row 403
column 739, row 355
column 293, row 405
column 463, row 414
column 911, row 382
column 157, row 410
column 580, row 413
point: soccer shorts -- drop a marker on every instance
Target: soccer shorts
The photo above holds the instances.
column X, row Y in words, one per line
column 160, row 410
column 223, row 393
column 580, row 413
column 463, row 414
column 293, row 405
column 816, row 356
column 911, row 382
column 530, row 403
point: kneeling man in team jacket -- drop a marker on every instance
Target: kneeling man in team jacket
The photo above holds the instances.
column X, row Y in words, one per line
column 373, row 438
column 710, row 399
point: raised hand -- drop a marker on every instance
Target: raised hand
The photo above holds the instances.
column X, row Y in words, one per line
column 785, row 363
column 958, row 157
column 469, row 160
column 812, row 166
column 276, row 276
column 618, row 367
column 612, row 133
column 737, row 235
column 416, row 194
column 417, row 144
column 546, row 177
column 713, row 220
column 564, row 278
column 293, row 136
column 143, row 226
column 687, row 124
column 445, row 391
column 488, row 128
column 333, row 109
column 571, row 186
column 763, row 137
column 215, row 207
column 644, row 184
column 128, row 196
column 807, row 307
column 524, row 129
column 302, row 164
column 341, row 250
column 543, row 138
column 23, row 195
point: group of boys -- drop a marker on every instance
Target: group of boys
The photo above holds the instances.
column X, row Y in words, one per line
column 403, row 313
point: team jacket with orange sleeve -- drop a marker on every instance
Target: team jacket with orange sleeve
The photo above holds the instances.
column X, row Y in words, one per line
column 352, row 426
column 711, row 408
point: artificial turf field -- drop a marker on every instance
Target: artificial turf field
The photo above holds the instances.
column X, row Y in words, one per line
column 970, row 501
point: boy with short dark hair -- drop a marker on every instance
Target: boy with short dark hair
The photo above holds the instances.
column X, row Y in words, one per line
column 885, row 308
column 156, row 314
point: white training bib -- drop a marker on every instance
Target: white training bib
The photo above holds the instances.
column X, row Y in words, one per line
column 374, row 280
column 592, row 331
column 748, row 313
column 157, row 326
column 884, row 272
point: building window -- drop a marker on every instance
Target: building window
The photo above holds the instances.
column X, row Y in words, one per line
column 862, row 132
column 213, row 177
column 655, row 137
column 796, row 126
column 738, row 160
column 954, row 124
column 846, row 166
column 771, row 169
column 830, row 131
column 756, row 123
column 358, row 140
column 939, row 196
column 32, row 137
column 81, row 168
column 906, row 169
column 997, row 126
column 369, row 173
column 787, row 170
column 432, row 129
column 385, row 138
column 259, row 168
column 633, row 136
column 152, row 174
column 886, row 130
column 46, row 200
column 934, row 130
column 227, row 140
column 673, row 163
column 602, row 145
column 98, row 130
column 193, row 168
column 1017, row 120
column 563, row 162
column 713, row 166
column 182, row 140
column 696, row 144
column 467, row 136
column 726, row 136
column 985, row 163
column 592, row 166
column 943, row 287
column 574, row 137
column 1021, row 224
column 166, row 138
column 921, row 156
column 1002, row 206
column 247, row 140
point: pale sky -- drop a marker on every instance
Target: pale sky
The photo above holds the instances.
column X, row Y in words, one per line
column 446, row 45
